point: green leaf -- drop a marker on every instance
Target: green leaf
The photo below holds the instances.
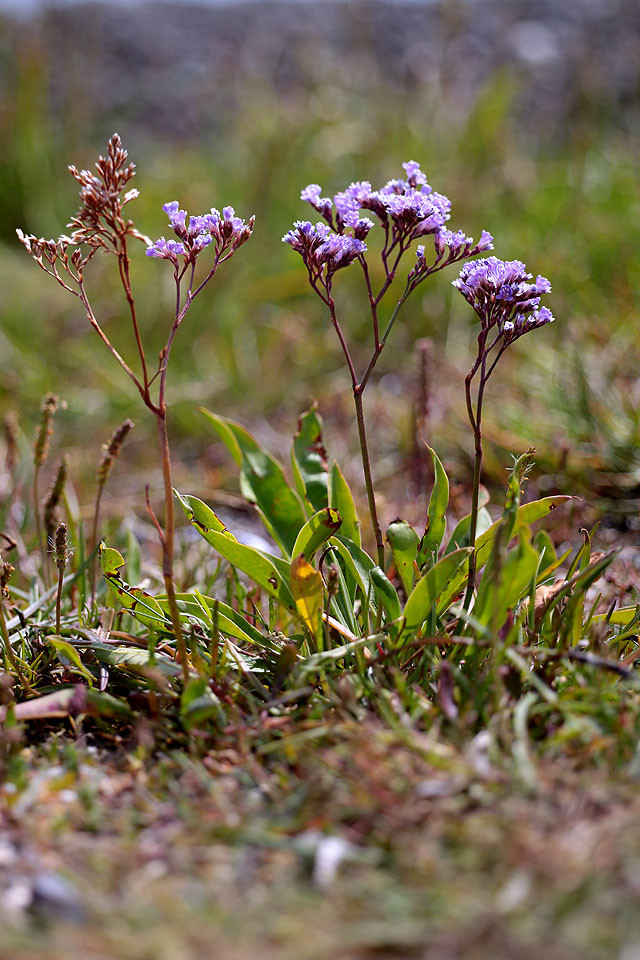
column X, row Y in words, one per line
column 202, row 517
column 258, row 567
column 110, row 560
column 309, row 460
column 429, row 589
column 504, row 586
column 387, row 593
column 230, row 622
column 136, row 660
column 341, row 499
column 404, row 543
column 263, row 482
column 546, row 551
column 525, row 515
column 306, row 587
column 436, row 524
column 316, row 531
column 460, row 536
column 622, row 617
column 139, row 603
column 68, row 651
column 357, row 562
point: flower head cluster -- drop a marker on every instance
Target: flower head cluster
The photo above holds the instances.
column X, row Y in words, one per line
column 224, row 230
column 323, row 250
column 408, row 209
column 412, row 206
column 505, row 296
column 100, row 218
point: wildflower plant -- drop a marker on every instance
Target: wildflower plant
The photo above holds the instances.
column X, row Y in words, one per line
column 317, row 603
column 506, row 300
column 102, row 225
column 407, row 211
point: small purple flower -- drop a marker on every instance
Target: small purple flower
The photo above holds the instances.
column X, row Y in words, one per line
column 323, row 205
column 503, row 296
column 177, row 217
column 166, row 250
column 415, row 176
column 225, row 231
column 485, row 243
column 321, row 248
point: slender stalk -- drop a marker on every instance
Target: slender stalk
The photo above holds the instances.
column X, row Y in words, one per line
column 168, row 541
column 124, row 264
column 368, row 479
column 36, row 510
column 93, row 543
column 59, row 597
column 475, row 419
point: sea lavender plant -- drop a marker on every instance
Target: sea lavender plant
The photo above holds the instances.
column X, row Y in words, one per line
column 506, row 299
column 101, row 223
column 407, row 211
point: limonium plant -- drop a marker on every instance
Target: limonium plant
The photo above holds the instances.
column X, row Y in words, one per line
column 506, row 300
column 407, row 211
column 102, row 225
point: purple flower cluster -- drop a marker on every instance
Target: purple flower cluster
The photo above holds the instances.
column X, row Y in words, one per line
column 412, row 206
column 504, row 296
column 408, row 209
column 226, row 231
column 323, row 250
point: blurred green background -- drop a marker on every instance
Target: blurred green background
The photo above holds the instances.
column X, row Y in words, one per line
column 525, row 114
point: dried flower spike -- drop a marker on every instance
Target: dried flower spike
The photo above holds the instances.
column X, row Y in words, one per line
column 111, row 450
column 50, row 405
column 54, row 497
column 61, row 547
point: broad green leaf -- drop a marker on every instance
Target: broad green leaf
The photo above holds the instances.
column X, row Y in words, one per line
column 341, row 499
column 318, row 528
column 256, row 565
column 202, row 517
column 546, row 550
column 139, row 603
column 436, row 525
column 263, row 482
column 505, row 585
column 110, row 560
column 357, row 561
column 67, row 650
column 387, row 593
column 429, row 589
column 306, row 587
column 230, row 622
column 621, row 617
column 309, row 460
column 136, row 660
column 404, row 543
column 460, row 536
column 526, row 514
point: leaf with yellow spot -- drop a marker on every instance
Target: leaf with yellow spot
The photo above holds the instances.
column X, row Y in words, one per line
column 306, row 587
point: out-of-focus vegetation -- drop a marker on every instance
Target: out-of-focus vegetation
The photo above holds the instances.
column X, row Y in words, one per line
column 527, row 118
